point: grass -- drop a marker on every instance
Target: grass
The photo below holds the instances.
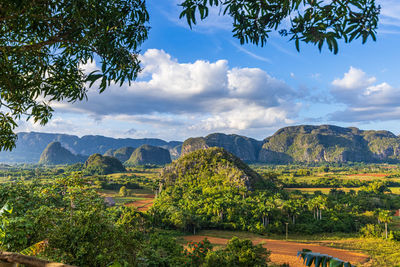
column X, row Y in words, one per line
column 134, row 195
column 383, row 253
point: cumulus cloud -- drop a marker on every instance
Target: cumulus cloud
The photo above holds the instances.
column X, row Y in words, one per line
column 366, row 100
column 197, row 95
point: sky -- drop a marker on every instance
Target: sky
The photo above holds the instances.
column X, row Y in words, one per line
column 201, row 80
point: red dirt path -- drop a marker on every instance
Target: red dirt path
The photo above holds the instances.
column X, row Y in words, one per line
column 142, row 205
column 285, row 251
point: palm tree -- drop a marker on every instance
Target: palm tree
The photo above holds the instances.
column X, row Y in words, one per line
column 385, row 217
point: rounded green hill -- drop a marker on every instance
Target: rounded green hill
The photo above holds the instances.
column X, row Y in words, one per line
column 55, row 154
column 98, row 164
column 211, row 167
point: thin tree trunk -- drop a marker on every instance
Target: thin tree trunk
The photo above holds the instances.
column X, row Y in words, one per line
column 386, row 229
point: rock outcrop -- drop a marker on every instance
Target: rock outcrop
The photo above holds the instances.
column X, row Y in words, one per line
column 247, row 149
column 328, row 143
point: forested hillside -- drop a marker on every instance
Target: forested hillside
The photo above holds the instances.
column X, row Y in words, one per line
column 306, row 143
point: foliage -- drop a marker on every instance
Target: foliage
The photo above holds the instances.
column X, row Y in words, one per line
column 382, row 252
column 315, row 22
column 372, row 231
column 196, row 252
column 212, row 187
column 318, row 259
column 43, row 46
column 98, row 164
column 147, row 154
column 55, row 154
column 239, row 252
column 123, row 191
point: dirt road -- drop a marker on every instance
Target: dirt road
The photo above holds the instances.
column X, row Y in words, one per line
column 285, row 251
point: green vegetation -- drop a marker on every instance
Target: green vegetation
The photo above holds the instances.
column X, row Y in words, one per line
column 44, row 45
column 98, row 164
column 207, row 189
column 328, row 143
column 311, row 21
column 243, row 147
column 55, row 154
column 149, row 155
column 122, row 154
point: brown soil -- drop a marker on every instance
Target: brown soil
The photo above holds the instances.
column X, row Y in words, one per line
column 142, row 205
column 285, row 251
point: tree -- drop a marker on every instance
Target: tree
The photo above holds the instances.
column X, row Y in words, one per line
column 123, row 191
column 43, row 45
column 385, row 217
column 311, row 21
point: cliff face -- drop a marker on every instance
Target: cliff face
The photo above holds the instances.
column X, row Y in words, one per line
column 327, row 143
column 245, row 148
column 55, row 154
column 306, row 143
column 98, row 164
column 147, row 154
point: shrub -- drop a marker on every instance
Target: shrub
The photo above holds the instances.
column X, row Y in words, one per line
column 372, row 230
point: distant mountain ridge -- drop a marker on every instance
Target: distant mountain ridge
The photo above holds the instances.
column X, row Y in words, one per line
column 302, row 143
column 30, row 145
column 306, row 143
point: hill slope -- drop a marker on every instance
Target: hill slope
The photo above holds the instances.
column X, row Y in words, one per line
column 328, row 143
column 122, row 154
column 245, row 148
column 98, row 164
column 55, row 154
column 209, row 188
column 210, row 167
column 147, row 154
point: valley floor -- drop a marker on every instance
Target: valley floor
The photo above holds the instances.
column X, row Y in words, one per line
column 285, row 251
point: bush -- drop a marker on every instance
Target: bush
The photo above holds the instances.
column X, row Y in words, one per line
column 372, row 230
column 239, row 252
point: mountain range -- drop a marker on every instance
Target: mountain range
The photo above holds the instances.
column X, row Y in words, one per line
column 303, row 143
column 30, row 145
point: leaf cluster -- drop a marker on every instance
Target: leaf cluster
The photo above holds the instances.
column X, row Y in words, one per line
column 44, row 44
column 311, row 21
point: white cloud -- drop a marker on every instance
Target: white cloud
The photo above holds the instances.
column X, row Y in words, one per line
column 199, row 95
column 366, row 99
column 354, row 79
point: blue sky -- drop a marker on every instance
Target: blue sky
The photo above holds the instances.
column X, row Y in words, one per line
column 199, row 81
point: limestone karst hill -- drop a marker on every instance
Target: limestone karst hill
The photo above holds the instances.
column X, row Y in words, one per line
column 55, row 154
